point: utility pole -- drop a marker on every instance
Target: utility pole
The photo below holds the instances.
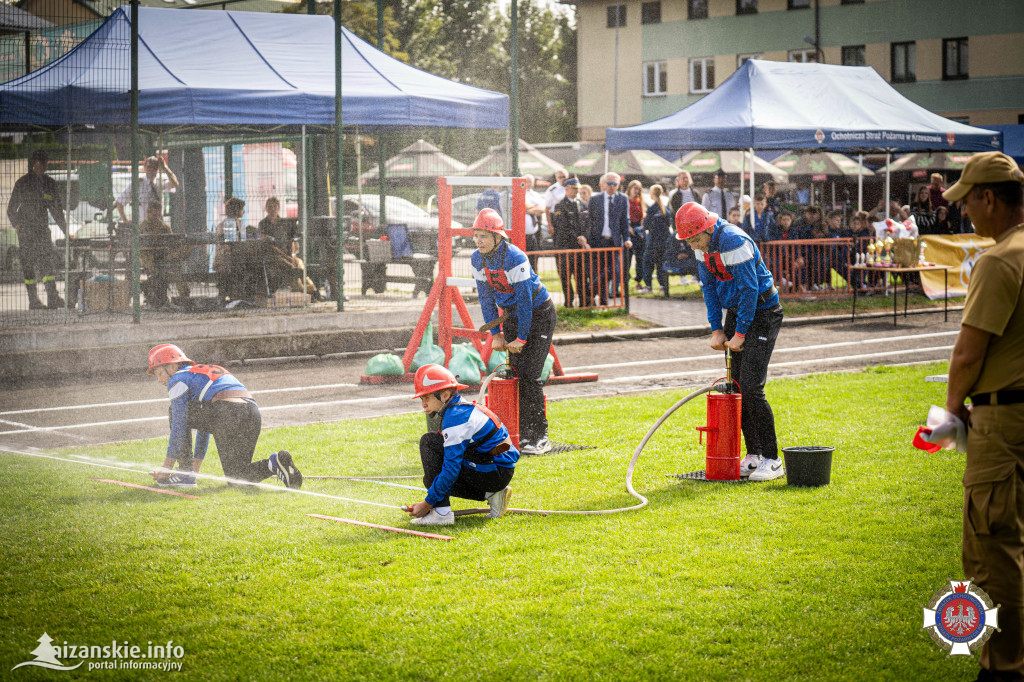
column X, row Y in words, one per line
column 514, row 89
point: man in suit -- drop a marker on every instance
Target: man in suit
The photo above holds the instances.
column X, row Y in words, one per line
column 718, row 199
column 609, row 226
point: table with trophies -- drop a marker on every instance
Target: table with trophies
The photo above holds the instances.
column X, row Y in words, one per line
column 881, row 257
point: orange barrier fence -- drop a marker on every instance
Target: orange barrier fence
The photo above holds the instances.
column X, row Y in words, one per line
column 590, row 278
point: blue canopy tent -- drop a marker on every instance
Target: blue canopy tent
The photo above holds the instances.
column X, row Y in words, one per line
column 238, row 68
column 786, row 105
column 1013, row 140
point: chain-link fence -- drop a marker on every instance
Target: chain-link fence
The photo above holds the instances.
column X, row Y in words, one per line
column 237, row 219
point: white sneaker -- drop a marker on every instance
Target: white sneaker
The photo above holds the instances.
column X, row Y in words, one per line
column 434, row 519
column 767, row 470
column 539, row 448
column 498, row 502
column 749, row 465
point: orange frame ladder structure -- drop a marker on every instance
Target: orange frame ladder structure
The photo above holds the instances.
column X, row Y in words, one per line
column 445, row 293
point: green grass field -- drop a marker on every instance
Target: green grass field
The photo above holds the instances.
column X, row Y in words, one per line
column 711, row 582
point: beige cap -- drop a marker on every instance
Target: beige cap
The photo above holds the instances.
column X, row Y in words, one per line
column 984, row 168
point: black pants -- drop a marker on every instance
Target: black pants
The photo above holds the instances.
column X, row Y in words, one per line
column 636, row 254
column 605, row 268
column 750, row 369
column 37, row 254
column 570, row 265
column 470, row 485
column 654, row 259
column 532, row 245
column 235, row 428
column 528, row 364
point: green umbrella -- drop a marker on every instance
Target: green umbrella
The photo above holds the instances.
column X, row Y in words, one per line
column 923, row 165
column 632, row 164
column 418, row 163
column 530, row 161
column 706, row 163
column 819, row 166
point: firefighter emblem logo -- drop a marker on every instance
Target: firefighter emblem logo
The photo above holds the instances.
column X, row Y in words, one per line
column 960, row 618
column 819, row 135
column 951, row 139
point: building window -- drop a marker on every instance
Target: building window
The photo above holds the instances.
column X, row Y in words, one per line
column 650, row 13
column 966, row 120
column 904, row 62
column 1020, row 119
column 616, row 15
column 853, row 55
column 799, row 4
column 954, row 59
column 742, row 59
column 851, row 2
column 702, row 75
column 655, row 79
column 803, row 56
column 696, row 9
column 746, row 7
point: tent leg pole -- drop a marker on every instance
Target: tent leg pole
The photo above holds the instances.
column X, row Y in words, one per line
column 888, row 160
column 860, row 182
column 359, row 192
column 753, row 186
column 304, row 212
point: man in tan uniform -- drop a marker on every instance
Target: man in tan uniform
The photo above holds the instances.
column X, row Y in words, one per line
column 988, row 366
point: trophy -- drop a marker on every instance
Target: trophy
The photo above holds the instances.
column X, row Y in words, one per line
column 871, row 253
column 920, row 256
column 889, row 241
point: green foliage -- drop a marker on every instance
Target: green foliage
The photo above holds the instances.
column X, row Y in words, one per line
column 710, row 582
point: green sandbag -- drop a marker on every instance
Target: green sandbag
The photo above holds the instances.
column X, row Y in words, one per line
column 428, row 353
column 384, row 365
column 470, row 350
column 498, row 358
column 464, row 367
column 548, row 364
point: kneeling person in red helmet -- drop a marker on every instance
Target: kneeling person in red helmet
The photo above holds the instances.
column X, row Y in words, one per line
column 472, row 457
column 504, row 278
column 211, row 400
column 735, row 279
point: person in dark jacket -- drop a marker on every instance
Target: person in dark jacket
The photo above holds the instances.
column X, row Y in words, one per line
column 34, row 195
column 570, row 225
column 658, row 224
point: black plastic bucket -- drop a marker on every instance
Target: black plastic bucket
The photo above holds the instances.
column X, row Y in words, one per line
column 808, row 465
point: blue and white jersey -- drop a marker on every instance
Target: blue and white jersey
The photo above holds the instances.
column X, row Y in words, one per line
column 734, row 275
column 505, row 278
column 194, row 383
column 467, row 426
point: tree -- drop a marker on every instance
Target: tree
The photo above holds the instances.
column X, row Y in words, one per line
column 360, row 17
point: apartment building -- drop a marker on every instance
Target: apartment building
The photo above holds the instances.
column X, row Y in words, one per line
column 640, row 60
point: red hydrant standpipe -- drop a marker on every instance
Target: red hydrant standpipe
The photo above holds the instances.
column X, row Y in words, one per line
column 722, row 458
column 503, row 400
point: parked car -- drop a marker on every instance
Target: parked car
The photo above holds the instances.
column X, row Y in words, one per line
column 365, row 218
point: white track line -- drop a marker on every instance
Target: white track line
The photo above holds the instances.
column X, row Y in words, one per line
column 797, row 349
column 164, row 418
column 161, row 400
column 819, row 360
column 92, row 461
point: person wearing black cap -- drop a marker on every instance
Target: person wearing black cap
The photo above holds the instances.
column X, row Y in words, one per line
column 570, row 224
column 34, row 195
column 718, row 199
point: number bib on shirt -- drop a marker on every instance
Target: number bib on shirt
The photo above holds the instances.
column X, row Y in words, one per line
column 498, row 280
column 713, row 261
column 211, row 372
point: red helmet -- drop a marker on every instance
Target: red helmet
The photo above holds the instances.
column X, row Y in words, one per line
column 165, row 354
column 431, row 378
column 692, row 218
column 490, row 220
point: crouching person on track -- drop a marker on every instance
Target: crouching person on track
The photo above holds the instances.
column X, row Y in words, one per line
column 211, row 400
column 472, row 457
